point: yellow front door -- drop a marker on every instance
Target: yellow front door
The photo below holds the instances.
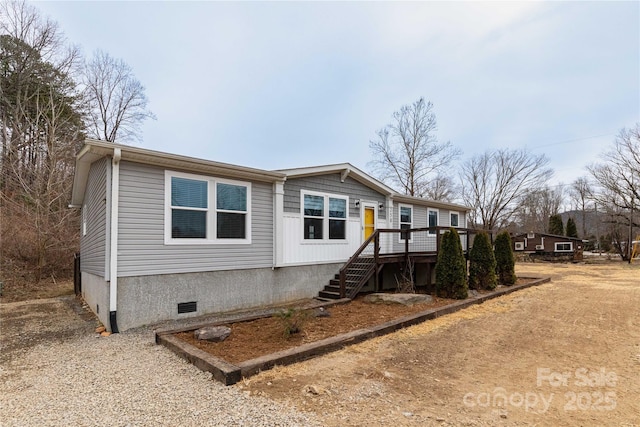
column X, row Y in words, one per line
column 369, row 222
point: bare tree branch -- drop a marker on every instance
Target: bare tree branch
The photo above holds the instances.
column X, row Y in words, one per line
column 493, row 182
column 406, row 152
column 118, row 103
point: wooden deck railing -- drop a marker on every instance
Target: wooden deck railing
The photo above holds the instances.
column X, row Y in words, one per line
column 366, row 262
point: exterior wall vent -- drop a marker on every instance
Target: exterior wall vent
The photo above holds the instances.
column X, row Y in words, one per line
column 519, row 246
column 187, row 307
column 539, row 247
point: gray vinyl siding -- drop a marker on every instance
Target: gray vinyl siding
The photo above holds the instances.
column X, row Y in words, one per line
column 141, row 247
column 331, row 184
column 444, row 218
column 92, row 245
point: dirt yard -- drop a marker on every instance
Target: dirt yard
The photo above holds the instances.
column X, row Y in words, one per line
column 563, row 353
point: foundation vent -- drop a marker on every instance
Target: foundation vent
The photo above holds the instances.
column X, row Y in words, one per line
column 187, row 307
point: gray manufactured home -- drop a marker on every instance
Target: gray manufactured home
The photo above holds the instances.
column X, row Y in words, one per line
column 166, row 236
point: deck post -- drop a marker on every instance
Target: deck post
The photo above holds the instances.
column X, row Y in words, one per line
column 376, row 259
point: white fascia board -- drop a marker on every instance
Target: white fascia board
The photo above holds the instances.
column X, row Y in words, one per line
column 344, row 169
column 430, row 203
column 95, row 149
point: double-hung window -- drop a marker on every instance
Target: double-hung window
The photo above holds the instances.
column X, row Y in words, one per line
column 455, row 219
column 325, row 216
column 406, row 221
column 433, row 219
column 203, row 209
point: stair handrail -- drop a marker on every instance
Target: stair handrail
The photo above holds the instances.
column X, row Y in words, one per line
column 354, row 257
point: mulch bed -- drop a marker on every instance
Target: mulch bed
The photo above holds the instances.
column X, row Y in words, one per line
column 255, row 338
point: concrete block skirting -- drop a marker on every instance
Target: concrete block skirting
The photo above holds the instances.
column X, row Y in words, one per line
column 229, row 374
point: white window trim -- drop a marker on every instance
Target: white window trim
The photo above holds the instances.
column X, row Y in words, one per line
column 325, row 219
column 563, row 250
column 400, row 206
column 437, row 211
column 451, row 214
column 211, row 210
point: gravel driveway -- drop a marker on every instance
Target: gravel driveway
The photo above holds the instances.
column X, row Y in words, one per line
column 55, row 371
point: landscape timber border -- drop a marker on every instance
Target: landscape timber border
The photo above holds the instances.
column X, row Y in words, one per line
column 229, row 373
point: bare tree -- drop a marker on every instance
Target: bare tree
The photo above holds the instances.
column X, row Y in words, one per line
column 406, row 152
column 535, row 207
column 581, row 194
column 442, row 188
column 493, row 182
column 618, row 179
column 41, row 127
column 117, row 100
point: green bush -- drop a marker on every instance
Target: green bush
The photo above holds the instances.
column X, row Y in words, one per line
column 572, row 230
column 482, row 264
column 505, row 263
column 555, row 225
column 451, row 267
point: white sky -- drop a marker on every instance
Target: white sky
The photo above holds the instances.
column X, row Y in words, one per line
column 279, row 85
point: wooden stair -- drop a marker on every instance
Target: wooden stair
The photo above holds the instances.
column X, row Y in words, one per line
column 355, row 273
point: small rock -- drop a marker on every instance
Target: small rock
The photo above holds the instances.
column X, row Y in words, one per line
column 100, row 329
column 321, row 312
column 440, row 419
column 212, row 333
column 312, row 389
column 473, row 293
column 408, row 414
column 105, row 334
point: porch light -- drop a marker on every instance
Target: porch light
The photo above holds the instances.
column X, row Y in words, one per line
column 356, row 202
column 380, row 205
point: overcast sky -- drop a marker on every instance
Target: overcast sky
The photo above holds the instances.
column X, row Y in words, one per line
column 279, row 85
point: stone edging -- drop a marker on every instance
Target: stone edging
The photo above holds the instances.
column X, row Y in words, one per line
column 229, row 374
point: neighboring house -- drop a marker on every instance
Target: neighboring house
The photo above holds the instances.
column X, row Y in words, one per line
column 165, row 236
column 548, row 245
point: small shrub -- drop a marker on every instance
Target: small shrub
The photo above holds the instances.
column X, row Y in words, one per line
column 482, row 264
column 505, row 263
column 292, row 320
column 451, row 267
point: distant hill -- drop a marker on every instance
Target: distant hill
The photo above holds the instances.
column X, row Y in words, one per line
column 593, row 223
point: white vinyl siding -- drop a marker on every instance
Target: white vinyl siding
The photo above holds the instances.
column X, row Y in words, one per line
column 206, row 210
column 141, row 247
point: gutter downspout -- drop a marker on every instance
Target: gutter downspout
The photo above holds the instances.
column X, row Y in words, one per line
column 113, row 257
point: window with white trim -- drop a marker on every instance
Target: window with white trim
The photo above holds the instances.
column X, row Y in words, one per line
column 324, row 216
column 455, row 219
column 203, row 209
column 406, row 220
column 564, row 247
column 432, row 216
